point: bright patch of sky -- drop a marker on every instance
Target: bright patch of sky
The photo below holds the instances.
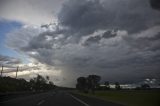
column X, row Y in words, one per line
column 6, row 27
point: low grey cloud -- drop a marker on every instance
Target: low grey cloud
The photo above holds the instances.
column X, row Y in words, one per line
column 8, row 61
column 10, row 64
column 112, row 38
column 95, row 38
column 30, row 11
column 86, row 16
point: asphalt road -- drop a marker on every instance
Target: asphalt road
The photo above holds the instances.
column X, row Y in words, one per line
column 61, row 98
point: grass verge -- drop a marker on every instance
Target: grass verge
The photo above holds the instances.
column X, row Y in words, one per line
column 128, row 97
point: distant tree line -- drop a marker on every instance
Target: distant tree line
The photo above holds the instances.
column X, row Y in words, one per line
column 143, row 87
column 39, row 83
column 92, row 83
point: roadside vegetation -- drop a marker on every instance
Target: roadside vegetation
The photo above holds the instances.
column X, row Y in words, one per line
column 39, row 83
column 140, row 96
column 128, row 97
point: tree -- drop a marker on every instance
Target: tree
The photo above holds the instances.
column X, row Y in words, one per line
column 93, row 82
column 81, row 84
column 85, row 83
column 38, row 83
column 117, row 86
column 145, row 86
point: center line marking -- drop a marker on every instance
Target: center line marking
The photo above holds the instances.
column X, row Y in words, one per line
column 78, row 100
column 42, row 101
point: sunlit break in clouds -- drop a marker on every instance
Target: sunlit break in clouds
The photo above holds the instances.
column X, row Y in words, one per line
column 116, row 39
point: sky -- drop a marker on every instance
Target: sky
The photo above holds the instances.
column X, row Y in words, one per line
column 65, row 39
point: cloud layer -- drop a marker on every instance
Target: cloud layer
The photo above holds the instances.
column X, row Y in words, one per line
column 6, row 60
column 85, row 16
column 117, row 39
column 30, row 11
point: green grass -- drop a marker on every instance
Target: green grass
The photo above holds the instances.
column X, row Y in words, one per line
column 129, row 97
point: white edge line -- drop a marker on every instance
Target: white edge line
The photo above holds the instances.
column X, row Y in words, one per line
column 42, row 101
column 78, row 100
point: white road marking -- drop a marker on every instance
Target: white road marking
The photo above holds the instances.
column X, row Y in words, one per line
column 42, row 101
column 78, row 100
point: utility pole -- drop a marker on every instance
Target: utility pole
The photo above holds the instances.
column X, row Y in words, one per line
column 2, row 71
column 17, row 71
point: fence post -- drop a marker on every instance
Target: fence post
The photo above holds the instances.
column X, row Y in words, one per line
column 2, row 71
column 17, row 71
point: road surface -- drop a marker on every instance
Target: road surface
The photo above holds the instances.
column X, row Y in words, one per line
column 61, row 98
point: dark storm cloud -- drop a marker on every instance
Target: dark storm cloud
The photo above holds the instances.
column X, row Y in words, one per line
column 119, row 55
column 96, row 39
column 117, row 39
column 86, row 16
column 109, row 34
column 155, row 4
column 83, row 15
column 146, row 40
